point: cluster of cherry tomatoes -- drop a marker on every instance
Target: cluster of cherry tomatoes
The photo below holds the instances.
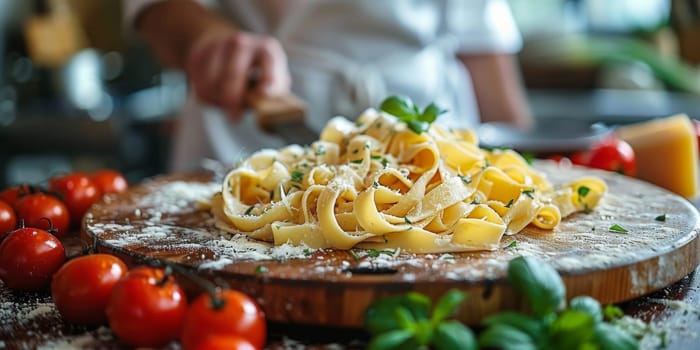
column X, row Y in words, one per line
column 145, row 306
column 62, row 204
column 30, row 254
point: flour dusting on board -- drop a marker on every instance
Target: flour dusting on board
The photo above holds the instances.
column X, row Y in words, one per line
column 582, row 242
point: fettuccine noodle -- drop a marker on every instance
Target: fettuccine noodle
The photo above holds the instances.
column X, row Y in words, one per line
column 376, row 184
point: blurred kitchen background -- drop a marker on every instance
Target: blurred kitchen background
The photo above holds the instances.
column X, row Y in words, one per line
column 80, row 91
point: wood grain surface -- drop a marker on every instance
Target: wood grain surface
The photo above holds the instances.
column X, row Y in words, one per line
column 162, row 220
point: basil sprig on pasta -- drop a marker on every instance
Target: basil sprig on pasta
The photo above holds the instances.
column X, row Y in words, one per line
column 403, row 108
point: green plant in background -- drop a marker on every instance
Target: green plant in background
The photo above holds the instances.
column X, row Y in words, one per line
column 403, row 108
column 405, row 322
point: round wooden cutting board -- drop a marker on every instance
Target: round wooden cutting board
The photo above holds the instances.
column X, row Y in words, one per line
column 166, row 219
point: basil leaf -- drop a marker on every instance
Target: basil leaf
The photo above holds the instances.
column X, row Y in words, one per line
column 539, row 282
column 390, row 340
column 418, row 304
column 608, row 336
column 506, row 337
column 612, row 312
column 453, row 335
column 448, row 304
column 570, row 329
column 522, row 322
column 423, row 331
column 417, row 126
column 380, row 316
column 588, row 306
column 431, row 113
column 404, row 317
column 400, row 106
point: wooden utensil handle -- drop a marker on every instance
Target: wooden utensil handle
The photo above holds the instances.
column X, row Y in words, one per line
column 274, row 110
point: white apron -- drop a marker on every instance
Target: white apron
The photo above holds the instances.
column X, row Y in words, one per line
column 347, row 55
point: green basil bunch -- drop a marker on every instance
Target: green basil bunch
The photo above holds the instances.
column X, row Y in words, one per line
column 406, row 321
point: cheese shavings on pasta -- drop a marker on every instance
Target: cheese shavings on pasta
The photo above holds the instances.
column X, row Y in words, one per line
column 376, row 184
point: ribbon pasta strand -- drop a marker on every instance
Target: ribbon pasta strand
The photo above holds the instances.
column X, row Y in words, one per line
column 376, row 184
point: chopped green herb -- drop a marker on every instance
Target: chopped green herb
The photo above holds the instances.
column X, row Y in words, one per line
column 510, row 203
column 529, row 193
column 661, row 218
column 376, row 157
column 617, row 228
column 354, row 255
column 356, row 161
column 512, row 244
column 297, row 176
column 406, row 220
column 378, row 125
column 586, row 208
column 373, row 253
column 465, row 179
column 475, row 201
column 308, row 251
column 261, row 269
column 355, row 151
column 583, row 191
column 366, row 145
column 375, row 184
column 529, row 157
column 384, row 162
column 249, row 210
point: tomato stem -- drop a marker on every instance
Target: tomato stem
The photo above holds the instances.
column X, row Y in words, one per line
column 51, row 229
column 166, row 275
column 217, row 302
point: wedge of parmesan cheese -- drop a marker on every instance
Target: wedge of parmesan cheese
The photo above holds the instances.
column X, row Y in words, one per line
column 667, row 153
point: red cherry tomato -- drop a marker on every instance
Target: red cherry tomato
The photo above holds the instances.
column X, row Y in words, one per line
column 109, row 181
column 225, row 342
column 580, row 158
column 8, row 218
column 613, row 154
column 238, row 315
column 81, row 287
column 13, row 194
column 29, row 257
column 34, row 208
column 78, row 193
column 146, row 309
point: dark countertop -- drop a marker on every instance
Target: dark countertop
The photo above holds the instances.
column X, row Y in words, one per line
column 671, row 318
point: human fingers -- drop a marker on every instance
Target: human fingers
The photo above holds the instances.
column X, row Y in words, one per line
column 235, row 82
column 204, row 67
column 272, row 63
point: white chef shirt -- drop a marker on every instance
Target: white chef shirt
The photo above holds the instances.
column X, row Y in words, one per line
column 347, row 55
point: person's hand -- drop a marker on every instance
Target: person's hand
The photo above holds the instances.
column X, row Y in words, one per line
column 226, row 67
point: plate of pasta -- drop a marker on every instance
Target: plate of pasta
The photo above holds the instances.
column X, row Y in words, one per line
column 387, row 204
